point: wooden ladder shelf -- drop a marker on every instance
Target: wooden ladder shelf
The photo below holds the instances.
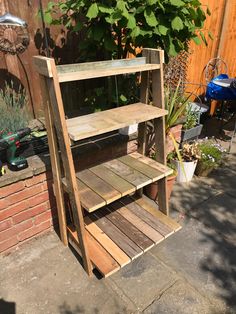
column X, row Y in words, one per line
column 111, row 224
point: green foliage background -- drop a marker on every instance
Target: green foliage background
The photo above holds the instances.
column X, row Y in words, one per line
column 114, row 27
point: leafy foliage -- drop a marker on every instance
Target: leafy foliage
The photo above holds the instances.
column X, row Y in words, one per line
column 212, row 153
column 192, row 117
column 112, row 28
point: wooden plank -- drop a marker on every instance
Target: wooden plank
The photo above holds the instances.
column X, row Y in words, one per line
column 89, row 199
column 107, row 64
column 127, row 228
column 58, row 113
column 99, row 256
column 90, row 74
column 138, row 165
column 113, row 179
column 157, row 56
column 151, row 233
column 43, row 65
column 100, row 187
column 55, row 162
column 152, row 163
column 113, row 249
column 110, row 120
column 129, row 174
column 126, row 245
column 147, row 217
column 157, row 213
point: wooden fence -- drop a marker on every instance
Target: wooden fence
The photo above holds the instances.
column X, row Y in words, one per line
column 220, row 23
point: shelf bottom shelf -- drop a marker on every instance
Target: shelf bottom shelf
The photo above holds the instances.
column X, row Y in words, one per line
column 122, row 231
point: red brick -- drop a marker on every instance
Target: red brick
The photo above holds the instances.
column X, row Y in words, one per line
column 4, row 203
column 38, row 199
column 34, row 230
column 13, row 210
column 8, row 243
column 4, row 235
column 26, row 214
column 10, row 189
column 36, row 179
column 26, row 193
column 43, row 217
column 5, row 224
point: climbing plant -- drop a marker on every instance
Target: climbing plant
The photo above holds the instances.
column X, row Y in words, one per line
column 112, row 28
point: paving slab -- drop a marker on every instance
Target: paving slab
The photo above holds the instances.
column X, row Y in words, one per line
column 180, row 298
column 143, row 280
column 202, row 254
column 44, row 277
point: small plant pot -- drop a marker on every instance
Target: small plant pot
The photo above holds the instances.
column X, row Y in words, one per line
column 189, row 168
column 203, row 170
column 151, row 190
column 128, row 130
column 191, row 133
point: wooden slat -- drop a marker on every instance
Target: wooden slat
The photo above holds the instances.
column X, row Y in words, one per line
column 113, row 179
column 147, row 217
column 126, row 245
column 90, row 74
column 113, row 249
column 157, row 213
column 128, row 228
column 105, row 190
column 129, row 174
column 151, row 233
column 98, row 255
column 153, row 163
column 150, row 172
column 110, row 120
column 98, row 65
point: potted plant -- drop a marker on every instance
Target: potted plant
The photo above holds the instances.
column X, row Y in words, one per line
column 191, row 128
column 176, row 103
column 185, row 161
column 151, row 190
column 211, row 156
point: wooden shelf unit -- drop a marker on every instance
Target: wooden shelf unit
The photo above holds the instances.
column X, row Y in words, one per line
column 103, row 190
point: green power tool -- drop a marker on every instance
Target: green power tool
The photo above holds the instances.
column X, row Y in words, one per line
column 10, row 142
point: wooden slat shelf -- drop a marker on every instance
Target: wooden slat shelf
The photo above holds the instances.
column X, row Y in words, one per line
column 122, row 231
column 109, row 120
column 105, row 183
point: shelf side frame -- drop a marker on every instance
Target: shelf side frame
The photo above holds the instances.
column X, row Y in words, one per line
column 56, row 117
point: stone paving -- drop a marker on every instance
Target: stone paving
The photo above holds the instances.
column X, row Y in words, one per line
column 193, row 271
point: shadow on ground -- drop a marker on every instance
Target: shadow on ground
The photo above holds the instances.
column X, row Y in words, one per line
column 203, row 201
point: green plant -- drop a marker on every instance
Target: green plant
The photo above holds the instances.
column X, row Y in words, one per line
column 192, row 117
column 212, row 153
column 13, row 107
column 112, row 28
column 176, row 103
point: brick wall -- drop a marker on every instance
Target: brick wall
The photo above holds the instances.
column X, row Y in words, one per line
column 27, row 208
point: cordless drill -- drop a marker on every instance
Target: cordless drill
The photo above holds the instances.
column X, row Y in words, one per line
column 10, row 142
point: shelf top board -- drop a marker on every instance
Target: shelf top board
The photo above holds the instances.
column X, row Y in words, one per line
column 109, row 120
column 96, row 73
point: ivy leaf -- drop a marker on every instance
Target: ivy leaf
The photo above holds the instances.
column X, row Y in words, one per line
column 48, row 17
column 177, row 23
column 210, row 35
column 172, row 51
column 131, row 22
column 177, row 3
column 150, row 17
column 162, row 29
column 123, row 98
column 203, row 38
column 92, row 11
column 208, row 11
column 135, row 32
column 104, row 9
column 197, row 40
column 151, row 2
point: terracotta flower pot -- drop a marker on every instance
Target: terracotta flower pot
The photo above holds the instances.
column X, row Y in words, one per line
column 202, row 170
column 151, row 190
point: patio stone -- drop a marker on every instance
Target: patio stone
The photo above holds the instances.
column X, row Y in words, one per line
column 180, row 298
column 143, row 280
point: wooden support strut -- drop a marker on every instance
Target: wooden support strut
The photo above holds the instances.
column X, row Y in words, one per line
column 56, row 105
